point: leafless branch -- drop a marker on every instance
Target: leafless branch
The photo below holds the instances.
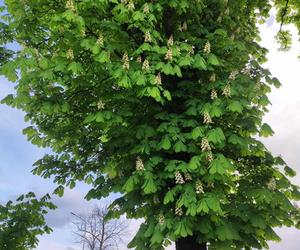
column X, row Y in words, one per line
column 96, row 233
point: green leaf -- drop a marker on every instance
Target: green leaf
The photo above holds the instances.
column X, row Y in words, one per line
column 154, row 92
column 234, row 139
column 214, row 204
column 258, row 221
column 235, row 106
column 215, row 111
column 149, row 186
column 138, row 16
column 266, row 130
column 216, row 136
column 157, row 237
column 180, row 147
column 289, row 171
column 203, row 207
column 8, row 100
column 185, row 61
column 167, row 69
column 89, row 179
column 167, row 95
column 194, row 163
column 213, row 60
column 196, row 133
column 177, row 71
column 169, row 197
column 103, row 57
column 130, row 184
column 219, row 165
column 199, row 62
column 227, row 232
column 59, row 191
column 99, row 117
column 75, row 67
column 165, row 143
column 205, row 226
column 8, row 70
column 139, row 78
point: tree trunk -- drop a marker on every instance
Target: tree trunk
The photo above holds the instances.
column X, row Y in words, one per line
column 189, row 243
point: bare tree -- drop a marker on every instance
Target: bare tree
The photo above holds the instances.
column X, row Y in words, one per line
column 93, row 232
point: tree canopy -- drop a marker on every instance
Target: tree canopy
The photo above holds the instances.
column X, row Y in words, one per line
column 162, row 102
column 23, row 221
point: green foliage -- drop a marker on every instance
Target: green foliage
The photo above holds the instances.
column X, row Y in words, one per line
column 23, row 221
column 161, row 102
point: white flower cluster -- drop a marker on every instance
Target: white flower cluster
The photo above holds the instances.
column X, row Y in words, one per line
column 227, row 90
column 247, row 71
column 148, row 38
column 214, row 94
column 100, row 105
column 184, row 26
column 170, row 42
column 146, row 9
column 100, row 40
column 169, row 55
column 272, row 184
column 158, row 79
column 146, row 65
column 206, row 118
column 70, row 5
column 131, row 6
column 125, row 60
column 139, row 165
column 187, row 177
column 178, row 178
column 178, row 211
column 199, row 188
column 212, row 78
column 70, row 54
column 139, row 59
column 207, row 48
column 205, row 145
column 161, row 219
column 210, row 157
column 233, row 75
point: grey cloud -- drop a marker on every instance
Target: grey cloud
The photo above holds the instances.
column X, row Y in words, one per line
column 72, row 201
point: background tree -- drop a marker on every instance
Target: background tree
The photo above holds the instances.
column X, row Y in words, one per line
column 23, row 221
column 161, row 101
column 94, row 232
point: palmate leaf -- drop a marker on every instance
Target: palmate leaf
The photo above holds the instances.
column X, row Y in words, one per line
column 169, row 197
column 227, row 232
column 196, row 133
column 235, row 106
column 199, row 62
column 213, row 60
column 179, row 146
column 165, row 143
column 266, row 130
column 289, row 171
column 219, row 166
column 216, row 136
column 149, row 186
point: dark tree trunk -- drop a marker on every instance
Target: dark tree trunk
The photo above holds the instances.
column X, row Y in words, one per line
column 189, row 243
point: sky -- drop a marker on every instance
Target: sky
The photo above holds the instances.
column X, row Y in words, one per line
column 17, row 155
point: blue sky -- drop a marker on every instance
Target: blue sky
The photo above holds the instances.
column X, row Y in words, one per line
column 18, row 155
